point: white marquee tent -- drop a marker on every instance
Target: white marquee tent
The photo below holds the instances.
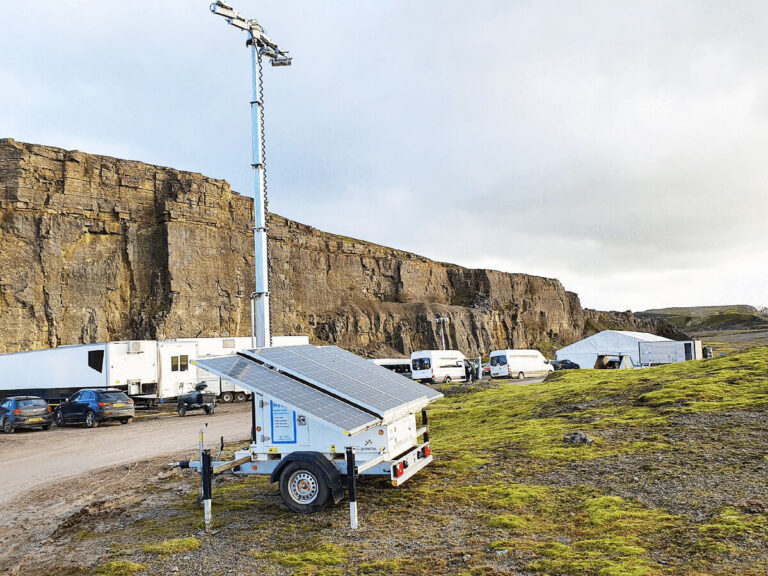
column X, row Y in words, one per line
column 610, row 342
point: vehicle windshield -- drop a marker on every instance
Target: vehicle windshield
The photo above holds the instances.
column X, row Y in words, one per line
column 498, row 360
column 421, row 364
column 39, row 402
column 113, row 397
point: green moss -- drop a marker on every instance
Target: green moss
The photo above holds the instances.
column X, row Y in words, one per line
column 119, row 568
column 509, row 522
column 173, row 546
column 323, row 554
column 731, row 523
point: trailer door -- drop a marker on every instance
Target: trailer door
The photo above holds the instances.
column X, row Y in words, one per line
column 177, row 373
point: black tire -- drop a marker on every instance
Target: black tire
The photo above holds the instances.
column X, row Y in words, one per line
column 127, row 420
column 240, row 397
column 227, row 397
column 207, row 409
column 58, row 419
column 447, row 380
column 303, row 488
column 90, row 420
column 8, row 426
column 46, row 426
column 521, row 375
column 181, row 409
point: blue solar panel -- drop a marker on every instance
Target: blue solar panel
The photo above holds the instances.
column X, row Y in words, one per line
column 348, row 376
column 261, row 380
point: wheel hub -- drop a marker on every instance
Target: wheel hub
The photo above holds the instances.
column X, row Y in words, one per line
column 303, row 487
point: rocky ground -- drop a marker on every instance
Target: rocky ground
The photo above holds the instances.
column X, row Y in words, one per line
column 673, row 482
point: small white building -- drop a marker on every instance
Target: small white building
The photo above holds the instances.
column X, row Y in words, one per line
column 607, row 343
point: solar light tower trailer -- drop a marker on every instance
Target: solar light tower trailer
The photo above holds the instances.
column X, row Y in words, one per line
column 261, row 47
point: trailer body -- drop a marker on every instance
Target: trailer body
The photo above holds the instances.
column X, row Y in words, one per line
column 670, row 352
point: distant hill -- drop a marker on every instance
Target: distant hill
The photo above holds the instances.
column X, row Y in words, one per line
column 711, row 318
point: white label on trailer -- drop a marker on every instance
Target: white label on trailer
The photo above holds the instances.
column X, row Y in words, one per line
column 283, row 424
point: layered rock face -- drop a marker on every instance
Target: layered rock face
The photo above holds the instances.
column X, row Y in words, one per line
column 95, row 248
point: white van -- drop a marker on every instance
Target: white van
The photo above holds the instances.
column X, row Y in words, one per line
column 397, row 365
column 519, row 364
column 438, row 366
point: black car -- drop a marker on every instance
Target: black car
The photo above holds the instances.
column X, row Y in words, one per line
column 92, row 406
column 24, row 412
column 564, row 365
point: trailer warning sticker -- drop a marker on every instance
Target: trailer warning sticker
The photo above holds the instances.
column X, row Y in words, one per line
column 283, row 424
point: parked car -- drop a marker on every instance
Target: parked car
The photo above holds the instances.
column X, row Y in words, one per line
column 24, row 412
column 93, row 406
column 564, row 365
column 486, row 369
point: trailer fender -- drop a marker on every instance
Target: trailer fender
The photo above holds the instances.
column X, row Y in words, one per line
column 328, row 470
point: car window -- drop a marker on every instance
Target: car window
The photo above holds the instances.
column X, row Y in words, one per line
column 421, row 364
column 113, row 397
column 32, row 402
column 498, row 360
column 76, row 397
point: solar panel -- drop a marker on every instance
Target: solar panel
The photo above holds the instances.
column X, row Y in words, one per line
column 304, row 398
column 348, row 376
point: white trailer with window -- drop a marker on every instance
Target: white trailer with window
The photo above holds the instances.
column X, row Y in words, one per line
column 321, row 412
column 398, row 365
column 670, row 352
column 438, row 366
column 519, row 364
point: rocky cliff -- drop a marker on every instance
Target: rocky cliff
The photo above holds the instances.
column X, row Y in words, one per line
column 95, row 248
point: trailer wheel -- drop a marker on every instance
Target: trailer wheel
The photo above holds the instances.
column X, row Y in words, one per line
column 227, row 397
column 303, row 488
column 240, row 397
column 126, row 420
column 8, row 426
column 90, row 420
column 521, row 376
column 181, row 409
column 209, row 409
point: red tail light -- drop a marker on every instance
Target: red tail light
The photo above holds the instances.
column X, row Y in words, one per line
column 17, row 411
column 104, row 404
column 427, row 451
column 49, row 408
column 398, row 469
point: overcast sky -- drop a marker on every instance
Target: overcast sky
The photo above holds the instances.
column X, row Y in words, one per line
column 617, row 146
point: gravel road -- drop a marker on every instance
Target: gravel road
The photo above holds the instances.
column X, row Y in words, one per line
column 33, row 458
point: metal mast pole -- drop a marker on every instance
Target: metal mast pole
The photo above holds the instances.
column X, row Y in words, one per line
column 261, row 46
column 261, row 336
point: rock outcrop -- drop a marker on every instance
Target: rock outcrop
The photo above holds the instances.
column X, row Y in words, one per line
column 94, row 248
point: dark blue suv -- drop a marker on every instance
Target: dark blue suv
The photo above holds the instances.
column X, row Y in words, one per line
column 91, row 406
column 24, row 412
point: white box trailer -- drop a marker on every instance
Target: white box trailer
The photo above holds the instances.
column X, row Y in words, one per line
column 670, row 352
column 147, row 370
column 320, row 413
column 398, row 365
column 438, row 366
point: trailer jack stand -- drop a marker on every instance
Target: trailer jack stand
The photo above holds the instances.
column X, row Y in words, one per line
column 352, row 488
column 206, row 473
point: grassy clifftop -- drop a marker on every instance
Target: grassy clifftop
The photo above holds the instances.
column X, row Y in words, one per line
column 698, row 319
column 673, row 483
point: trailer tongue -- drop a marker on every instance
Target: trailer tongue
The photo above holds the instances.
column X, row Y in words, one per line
column 321, row 413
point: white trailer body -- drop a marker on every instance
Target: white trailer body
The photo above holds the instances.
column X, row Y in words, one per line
column 518, row 364
column 312, row 404
column 438, row 366
column 398, row 365
column 671, row 352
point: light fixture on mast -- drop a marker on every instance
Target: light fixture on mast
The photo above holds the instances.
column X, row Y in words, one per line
column 261, row 46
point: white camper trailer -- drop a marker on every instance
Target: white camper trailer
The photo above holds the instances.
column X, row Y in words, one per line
column 438, row 366
column 657, row 353
column 519, row 364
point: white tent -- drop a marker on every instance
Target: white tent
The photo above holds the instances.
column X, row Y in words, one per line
column 610, row 342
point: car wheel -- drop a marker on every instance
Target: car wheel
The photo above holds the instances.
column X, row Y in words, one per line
column 181, row 409
column 303, row 488
column 58, row 419
column 8, row 426
column 240, row 396
column 207, row 409
column 127, row 420
column 227, row 397
column 90, row 420
column 521, row 376
column 46, row 426
column 446, row 380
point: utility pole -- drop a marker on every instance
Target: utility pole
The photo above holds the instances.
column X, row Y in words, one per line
column 442, row 320
column 261, row 46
